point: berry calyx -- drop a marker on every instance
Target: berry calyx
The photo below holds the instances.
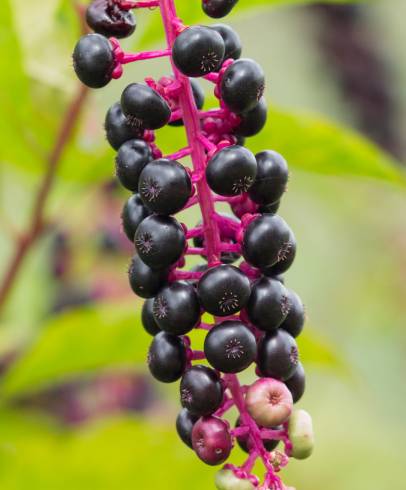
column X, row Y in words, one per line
column 185, row 422
column 211, row 440
column 167, row 357
column 131, row 158
column 278, row 355
column 107, row 18
column 144, row 281
column 286, row 258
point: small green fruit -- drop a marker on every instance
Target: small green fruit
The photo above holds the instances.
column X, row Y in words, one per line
column 301, row 435
column 226, row 480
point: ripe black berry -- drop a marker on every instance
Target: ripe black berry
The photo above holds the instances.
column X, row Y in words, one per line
column 144, row 107
column 177, row 308
column 144, row 281
column 218, row 8
column 160, row 241
column 243, row 85
column 296, row 318
column 201, row 391
column 244, row 442
column 278, row 355
column 93, row 60
column 270, row 208
column 231, row 171
column 184, row 426
column 167, row 357
column 164, row 186
column 131, row 158
column 107, row 18
column 230, row 347
column 232, row 41
column 296, row 384
column 286, row 259
column 272, row 178
column 198, row 95
column 266, row 240
column 118, row 130
column 197, row 51
column 211, row 440
column 224, row 290
column 133, row 213
column 253, row 121
column 147, row 318
column 269, row 304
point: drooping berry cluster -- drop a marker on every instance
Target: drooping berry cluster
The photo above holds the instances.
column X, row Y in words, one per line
column 240, row 284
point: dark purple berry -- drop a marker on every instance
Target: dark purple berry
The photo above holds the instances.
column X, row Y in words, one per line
column 201, row 391
column 224, row 290
column 184, row 426
column 253, row 121
column 93, row 60
column 242, row 85
column 198, row 95
column 133, row 213
column 269, row 304
column 278, row 355
column 177, row 308
column 118, row 130
column 160, row 241
column 197, row 51
column 286, row 259
column 270, row 208
column 272, row 178
column 147, row 318
column 231, row 171
column 164, row 186
column 167, row 357
column 297, row 383
column 232, row 41
column 266, row 240
column 144, row 107
column 211, row 440
column 218, row 8
column 107, row 18
column 296, row 318
column 131, row 158
column 230, row 347
column 144, row 281
column 244, row 442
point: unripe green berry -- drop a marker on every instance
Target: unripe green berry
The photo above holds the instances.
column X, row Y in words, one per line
column 226, row 480
column 301, row 435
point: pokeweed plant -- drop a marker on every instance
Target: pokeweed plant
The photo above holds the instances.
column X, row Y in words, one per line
column 255, row 317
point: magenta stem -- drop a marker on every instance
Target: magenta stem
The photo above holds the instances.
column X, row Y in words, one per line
column 144, row 55
column 213, row 113
column 195, row 251
column 194, row 232
column 126, row 5
column 198, row 355
column 184, row 152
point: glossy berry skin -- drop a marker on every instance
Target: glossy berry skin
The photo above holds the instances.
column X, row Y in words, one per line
column 231, row 171
column 295, row 320
column 224, row 290
column 184, row 426
column 108, row 19
column 147, row 318
column 118, row 130
column 211, row 440
column 160, row 241
column 278, row 355
column 253, row 121
column 197, row 51
column 133, row 213
column 244, row 443
column 198, row 95
column 144, row 281
column 144, row 107
column 218, row 8
column 131, row 158
column 272, row 178
column 242, row 85
column 176, row 308
column 296, row 384
column 232, row 41
column 201, row 391
column 286, row 259
column 230, row 347
column 164, row 186
column 167, row 357
column 266, row 240
column 93, row 60
column 269, row 304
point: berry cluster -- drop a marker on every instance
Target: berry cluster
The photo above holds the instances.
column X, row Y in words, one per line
column 240, row 284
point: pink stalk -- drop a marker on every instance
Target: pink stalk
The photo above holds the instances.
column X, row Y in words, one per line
column 126, row 5
column 144, row 55
column 184, row 152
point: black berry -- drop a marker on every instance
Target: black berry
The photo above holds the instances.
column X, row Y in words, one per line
column 198, row 50
column 232, row 41
column 133, row 213
column 253, row 121
column 160, row 241
column 218, row 8
column 286, row 258
column 231, row 171
column 296, row 384
column 198, row 95
column 177, row 308
column 244, row 442
column 167, row 357
column 184, row 426
column 147, row 318
column 270, row 208
column 201, row 391
column 224, row 290
column 131, row 158
column 230, row 347
column 107, row 18
column 164, row 186
column 296, row 318
column 118, row 130
column 278, row 355
column 144, row 281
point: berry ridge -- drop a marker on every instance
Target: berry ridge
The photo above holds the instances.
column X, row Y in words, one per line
column 256, row 318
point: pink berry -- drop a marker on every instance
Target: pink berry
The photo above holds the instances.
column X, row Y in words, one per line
column 211, row 440
column 269, row 402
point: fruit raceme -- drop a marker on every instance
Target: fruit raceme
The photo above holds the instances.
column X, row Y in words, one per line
column 255, row 317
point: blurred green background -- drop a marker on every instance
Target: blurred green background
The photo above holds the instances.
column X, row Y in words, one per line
column 77, row 408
